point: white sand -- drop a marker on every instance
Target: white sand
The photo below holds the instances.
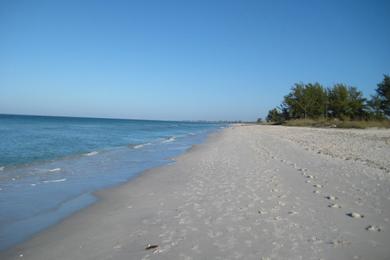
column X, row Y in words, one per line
column 249, row 192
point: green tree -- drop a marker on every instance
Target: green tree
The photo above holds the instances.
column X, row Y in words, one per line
column 383, row 94
column 346, row 102
column 338, row 101
column 375, row 108
column 356, row 104
column 275, row 116
column 306, row 101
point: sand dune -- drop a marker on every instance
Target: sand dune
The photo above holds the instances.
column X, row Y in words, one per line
column 249, row 192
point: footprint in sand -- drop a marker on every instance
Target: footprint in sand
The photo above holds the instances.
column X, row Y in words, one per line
column 117, row 246
column 334, row 205
column 196, row 249
column 315, row 240
column 339, row 242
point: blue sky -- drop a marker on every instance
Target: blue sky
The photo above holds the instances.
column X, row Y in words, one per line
column 174, row 60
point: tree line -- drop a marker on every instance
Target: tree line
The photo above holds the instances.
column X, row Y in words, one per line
column 314, row 101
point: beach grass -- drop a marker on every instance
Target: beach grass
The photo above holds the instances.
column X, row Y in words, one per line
column 359, row 124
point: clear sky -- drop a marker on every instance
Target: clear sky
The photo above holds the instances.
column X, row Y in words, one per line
column 183, row 59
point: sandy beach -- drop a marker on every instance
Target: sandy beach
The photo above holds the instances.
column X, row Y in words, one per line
column 249, row 192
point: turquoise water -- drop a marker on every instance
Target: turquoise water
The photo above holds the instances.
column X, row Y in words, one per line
column 49, row 166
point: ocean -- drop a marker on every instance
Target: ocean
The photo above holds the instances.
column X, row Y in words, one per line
column 50, row 166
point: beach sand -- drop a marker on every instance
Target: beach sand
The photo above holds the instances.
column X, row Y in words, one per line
column 249, row 192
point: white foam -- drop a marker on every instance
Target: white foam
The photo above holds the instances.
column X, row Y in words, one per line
column 171, row 139
column 55, row 170
column 2, row 168
column 141, row 145
column 91, row 153
column 59, row 180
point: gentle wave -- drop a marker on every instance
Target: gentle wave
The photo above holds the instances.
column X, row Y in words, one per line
column 59, row 180
column 91, row 153
column 169, row 140
column 141, row 145
column 54, row 170
column 138, row 146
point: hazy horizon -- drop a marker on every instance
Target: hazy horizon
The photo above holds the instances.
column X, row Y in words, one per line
column 117, row 118
column 174, row 60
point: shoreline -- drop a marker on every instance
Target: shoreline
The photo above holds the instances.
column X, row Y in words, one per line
column 101, row 196
column 41, row 194
column 97, row 196
column 232, row 197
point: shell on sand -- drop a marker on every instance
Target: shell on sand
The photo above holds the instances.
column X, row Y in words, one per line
column 331, row 197
column 334, row 205
column 355, row 215
column 149, row 246
column 373, row 228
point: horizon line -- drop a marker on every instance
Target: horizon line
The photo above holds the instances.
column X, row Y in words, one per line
column 135, row 119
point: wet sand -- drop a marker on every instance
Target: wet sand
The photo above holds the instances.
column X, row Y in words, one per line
column 249, row 192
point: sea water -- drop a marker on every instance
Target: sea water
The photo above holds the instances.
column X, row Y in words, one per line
column 50, row 166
